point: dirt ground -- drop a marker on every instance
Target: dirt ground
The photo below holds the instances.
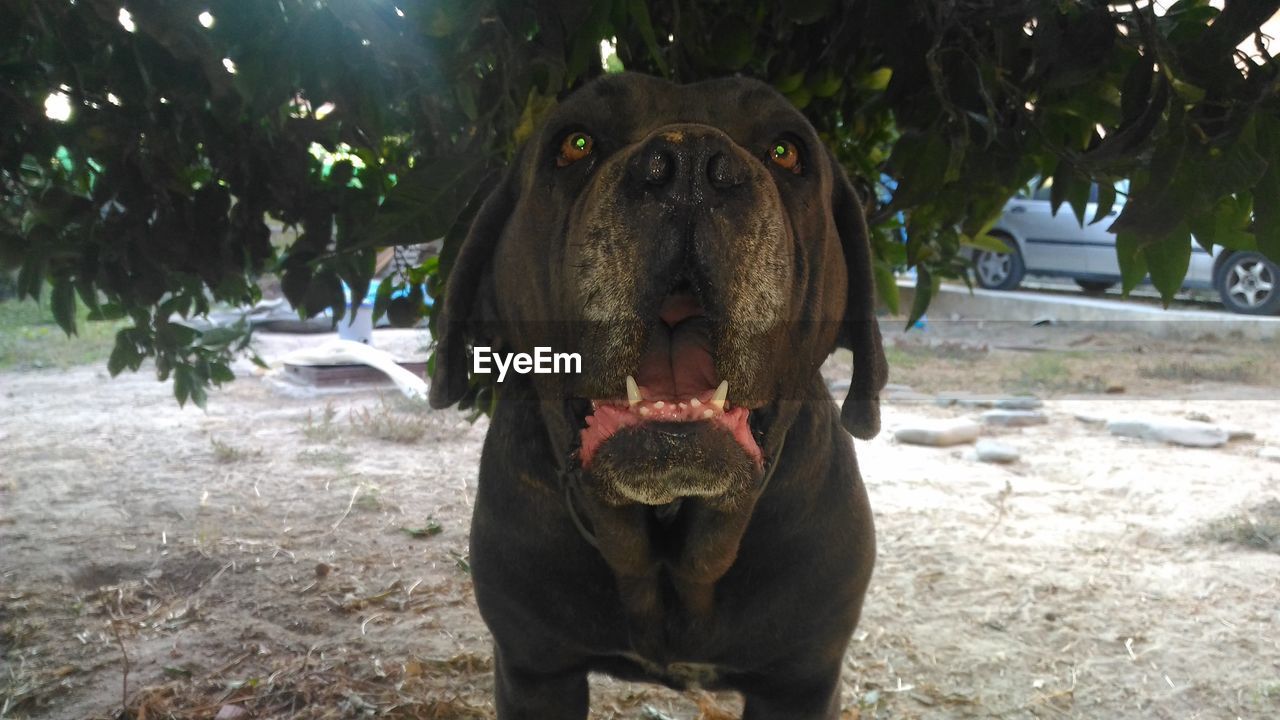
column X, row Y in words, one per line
column 303, row 554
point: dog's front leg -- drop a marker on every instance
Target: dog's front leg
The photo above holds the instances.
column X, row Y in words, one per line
column 524, row 693
column 812, row 694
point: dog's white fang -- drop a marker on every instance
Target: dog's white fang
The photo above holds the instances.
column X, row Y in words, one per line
column 633, row 392
column 722, row 394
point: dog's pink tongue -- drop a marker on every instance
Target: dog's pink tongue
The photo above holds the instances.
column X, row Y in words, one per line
column 677, row 362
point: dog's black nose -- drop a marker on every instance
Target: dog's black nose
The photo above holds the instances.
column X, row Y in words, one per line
column 688, row 166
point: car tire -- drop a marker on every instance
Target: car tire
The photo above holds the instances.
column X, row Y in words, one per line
column 999, row 271
column 1249, row 283
column 1094, row 287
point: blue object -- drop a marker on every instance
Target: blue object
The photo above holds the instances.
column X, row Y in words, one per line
column 370, row 297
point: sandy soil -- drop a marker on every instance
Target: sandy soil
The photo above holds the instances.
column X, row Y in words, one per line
column 304, row 554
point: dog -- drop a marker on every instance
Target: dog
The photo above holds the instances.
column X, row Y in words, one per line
column 687, row 509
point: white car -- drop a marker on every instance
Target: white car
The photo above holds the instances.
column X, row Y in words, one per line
column 1055, row 245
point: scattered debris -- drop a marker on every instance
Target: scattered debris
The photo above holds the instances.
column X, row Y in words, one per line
column 431, row 528
column 231, row 712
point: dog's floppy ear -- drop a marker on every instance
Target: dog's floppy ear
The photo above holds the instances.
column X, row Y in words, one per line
column 859, row 331
column 456, row 323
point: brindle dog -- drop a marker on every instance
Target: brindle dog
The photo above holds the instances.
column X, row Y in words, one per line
column 688, row 509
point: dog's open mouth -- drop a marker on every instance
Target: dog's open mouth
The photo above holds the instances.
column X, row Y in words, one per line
column 675, row 388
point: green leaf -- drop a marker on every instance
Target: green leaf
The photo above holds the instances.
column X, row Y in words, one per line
column 1266, row 197
column 886, row 285
column 1133, row 262
column 106, row 311
column 382, row 297
column 427, row 200
column 430, row 529
column 62, row 301
column 182, row 383
column 31, row 276
column 926, row 288
column 1167, row 261
column 1106, row 201
column 221, row 373
column 199, row 395
column 123, row 355
column 992, row 243
column 1078, row 197
column 639, row 12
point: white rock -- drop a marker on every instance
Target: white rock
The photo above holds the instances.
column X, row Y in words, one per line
column 938, row 433
column 1270, row 453
column 1019, row 402
column 1014, row 418
column 1175, row 432
column 1003, row 402
column 1091, row 419
column 993, row 452
column 907, row 397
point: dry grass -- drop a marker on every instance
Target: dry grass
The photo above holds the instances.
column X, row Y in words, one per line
column 321, row 428
column 311, row 687
column 1243, row 371
column 1256, row 527
column 226, row 453
column 386, row 422
column 326, row 457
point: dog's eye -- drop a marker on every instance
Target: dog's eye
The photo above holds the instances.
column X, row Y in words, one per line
column 575, row 146
column 785, row 155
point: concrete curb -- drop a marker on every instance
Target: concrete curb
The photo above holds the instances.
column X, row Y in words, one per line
column 956, row 302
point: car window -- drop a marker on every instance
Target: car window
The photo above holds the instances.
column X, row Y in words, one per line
column 1042, row 192
column 1045, row 191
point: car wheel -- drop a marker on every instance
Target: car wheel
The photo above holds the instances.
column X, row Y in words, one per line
column 1249, row 283
column 999, row 271
column 1094, row 287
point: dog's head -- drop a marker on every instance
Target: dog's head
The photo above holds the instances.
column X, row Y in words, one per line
column 700, row 249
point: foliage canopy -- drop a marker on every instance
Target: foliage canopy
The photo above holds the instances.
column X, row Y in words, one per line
column 381, row 122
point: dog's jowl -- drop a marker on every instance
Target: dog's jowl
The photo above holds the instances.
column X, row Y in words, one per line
column 687, row 508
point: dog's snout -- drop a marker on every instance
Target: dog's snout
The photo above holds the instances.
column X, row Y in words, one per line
column 658, row 165
column 688, row 167
column 724, row 171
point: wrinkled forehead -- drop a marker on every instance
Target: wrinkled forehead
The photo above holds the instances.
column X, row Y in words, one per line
column 629, row 107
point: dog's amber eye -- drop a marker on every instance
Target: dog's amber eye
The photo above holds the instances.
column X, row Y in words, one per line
column 785, row 155
column 575, row 147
